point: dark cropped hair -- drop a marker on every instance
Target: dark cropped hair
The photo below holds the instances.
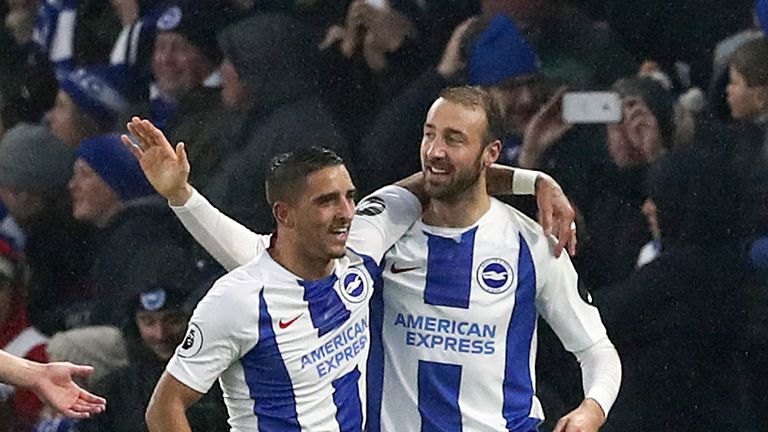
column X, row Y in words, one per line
column 659, row 100
column 751, row 60
column 474, row 97
column 288, row 171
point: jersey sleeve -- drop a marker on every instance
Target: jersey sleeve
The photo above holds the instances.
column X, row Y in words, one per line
column 229, row 242
column 564, row 304
column 220, row 329
column 381, row 219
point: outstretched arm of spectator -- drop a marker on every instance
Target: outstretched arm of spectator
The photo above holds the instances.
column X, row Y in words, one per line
column 544, row 129
column 53, row 384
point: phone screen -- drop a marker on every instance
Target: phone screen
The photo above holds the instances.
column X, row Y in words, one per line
column 591, row 107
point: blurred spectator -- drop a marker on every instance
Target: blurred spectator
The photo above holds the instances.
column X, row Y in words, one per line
column 716, row 92
column 88, row 103
column 136, row 229
column 574, row 50
column 186, row 100
column 132, row 51
column 19, row 409
column 690, row 301
column 32, row 98
column 614, row 229
column 71, row 33
column 159, row 316
column 34, row 170
column 283, row 114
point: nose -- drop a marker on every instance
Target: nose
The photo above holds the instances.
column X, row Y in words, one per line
column 347, row 210
column 435, row 149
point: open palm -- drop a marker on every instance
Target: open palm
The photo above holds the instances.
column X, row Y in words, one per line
column 56, row 388
column 166, row 169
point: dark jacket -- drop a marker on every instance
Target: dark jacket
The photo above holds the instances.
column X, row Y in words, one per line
column 129, row 389
column 275, row 61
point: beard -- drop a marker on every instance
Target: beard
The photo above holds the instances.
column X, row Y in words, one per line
column 459, row 184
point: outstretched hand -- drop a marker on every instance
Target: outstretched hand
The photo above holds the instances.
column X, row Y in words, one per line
column 166, row 168
column 556, row 215
column 55, row 387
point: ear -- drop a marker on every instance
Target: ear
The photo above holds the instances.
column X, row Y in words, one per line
column 761, row 98
column 491, row 153
column 283, row 214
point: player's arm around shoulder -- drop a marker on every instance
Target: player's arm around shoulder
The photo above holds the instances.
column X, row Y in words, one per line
column 382, row 218
column 222, row 323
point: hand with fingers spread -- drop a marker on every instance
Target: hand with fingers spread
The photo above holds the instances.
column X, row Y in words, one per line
column 55, row 387
column 588, row 417
column 555, row 211
column 53, row 384
column 166, row 168
column 543, row 130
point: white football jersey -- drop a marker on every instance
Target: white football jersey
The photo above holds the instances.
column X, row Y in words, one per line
column 290, row 354
column 458, row 319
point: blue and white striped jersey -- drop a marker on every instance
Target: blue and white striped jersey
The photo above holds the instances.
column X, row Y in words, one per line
column 290, row 354
column 458, row 316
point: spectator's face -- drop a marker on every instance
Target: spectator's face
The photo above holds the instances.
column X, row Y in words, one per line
column 232, row 91
column 452, row 152
column 637, row 139
column 22, row 205
column 161, row 331
column 519, row 101
column 323, row 213
column 93, row 200
column 63, row 119
column 746, row 102
column 178, row 65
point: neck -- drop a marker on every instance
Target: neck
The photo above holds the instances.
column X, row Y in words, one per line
column 285, row 252
column 106, row 216
column 461, row 211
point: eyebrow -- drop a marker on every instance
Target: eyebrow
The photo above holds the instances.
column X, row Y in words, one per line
column 332, row 195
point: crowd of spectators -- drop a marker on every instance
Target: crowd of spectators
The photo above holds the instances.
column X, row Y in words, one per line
column 672, row 201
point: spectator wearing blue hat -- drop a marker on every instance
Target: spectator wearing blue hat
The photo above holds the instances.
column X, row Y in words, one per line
column 34, row 170
column 134, row 225
column 89, row 103
column 489, row 53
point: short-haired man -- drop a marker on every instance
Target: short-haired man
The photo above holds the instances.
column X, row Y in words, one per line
column 233, row 245
column 287, row 334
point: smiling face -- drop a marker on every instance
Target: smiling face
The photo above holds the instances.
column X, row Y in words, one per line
column 453, row 155
column 161, row 331
column 322, row 214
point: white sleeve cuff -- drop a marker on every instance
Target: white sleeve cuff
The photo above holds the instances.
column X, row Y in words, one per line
column 601, row 373
column 524, row 182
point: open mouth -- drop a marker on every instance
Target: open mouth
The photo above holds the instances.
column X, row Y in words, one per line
column 341, row 233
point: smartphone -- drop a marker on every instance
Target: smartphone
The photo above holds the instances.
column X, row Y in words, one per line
column 378, row 4
column 591, row 107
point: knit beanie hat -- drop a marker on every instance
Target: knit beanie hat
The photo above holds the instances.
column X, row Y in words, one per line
column 761, row 10
column 500, row 53
column 97, row 91
column 32, row 159
column 116, row 165
column 199, row 22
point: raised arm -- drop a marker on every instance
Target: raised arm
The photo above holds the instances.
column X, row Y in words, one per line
column 167, row 169
column 53, row 384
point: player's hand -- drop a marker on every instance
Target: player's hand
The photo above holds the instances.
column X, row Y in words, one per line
column 588, row 417
column 556, row 215
column 55, row 387
column 167, row 169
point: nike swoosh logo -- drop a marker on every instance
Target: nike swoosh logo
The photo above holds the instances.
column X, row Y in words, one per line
column 396, row 270
column 285, row 324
